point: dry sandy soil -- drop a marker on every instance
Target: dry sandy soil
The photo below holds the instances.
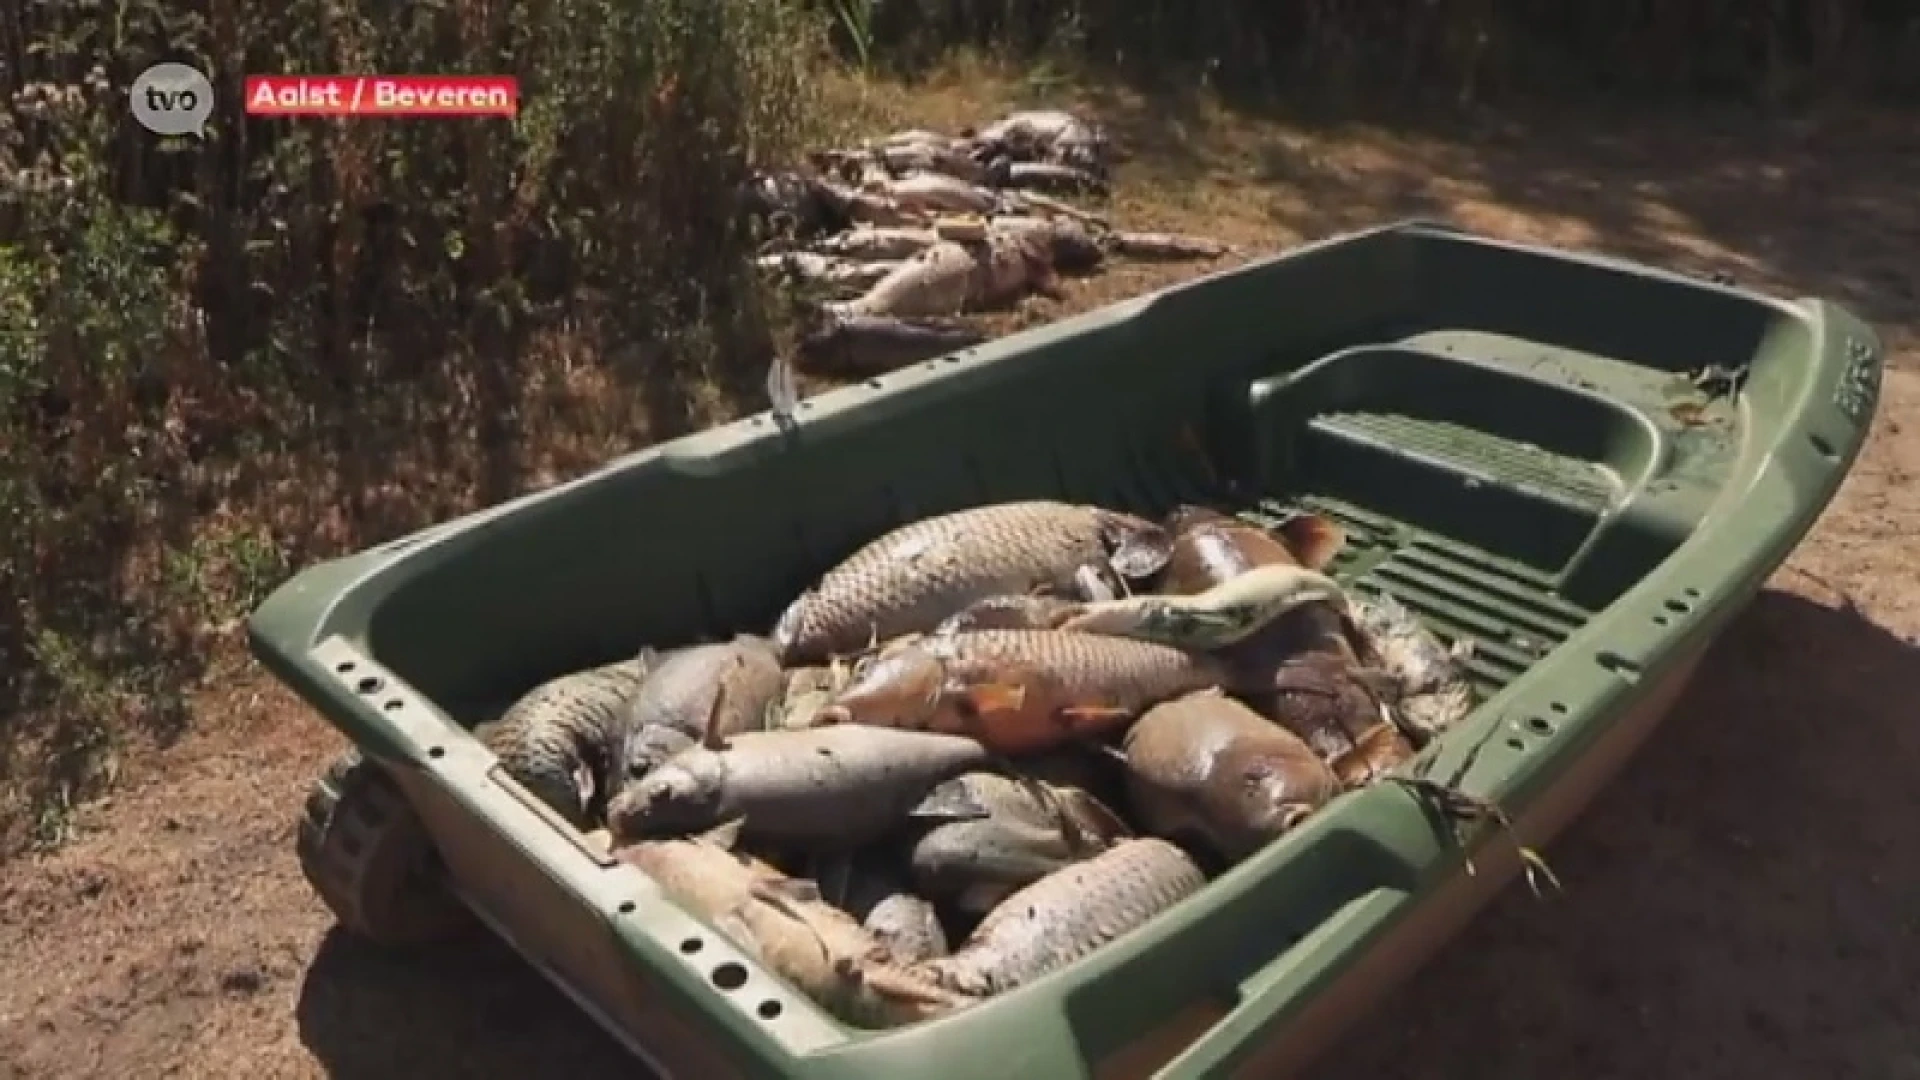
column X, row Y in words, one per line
column 1736, row 904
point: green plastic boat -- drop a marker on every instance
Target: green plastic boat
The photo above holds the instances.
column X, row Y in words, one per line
column 1584, row 466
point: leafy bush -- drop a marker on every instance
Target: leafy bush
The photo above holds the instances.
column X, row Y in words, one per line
column 218, row 360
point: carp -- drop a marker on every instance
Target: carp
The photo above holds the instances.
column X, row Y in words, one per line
column 1067, row 244
column 1054, row 177
column 829, row 957
column 879, row 244
column 1164, row 246
column 872, row 889
column 808, row 690
column 1048, row 134
column 1210, row 549
column 934, row 193
column 560, row 740
column 703, row 874
column 1223, row 615
column 1066, row 915
column 914, row 577
column 864, row 345
column 937, row 158
column 821, row 789
column 720, row 690
column 994, row 834
column 825, row 270
column 1336, row 706
column 1428, row 690
column 855, row 205
column 1207, row 767
column 1018, row 691
column 937, row 281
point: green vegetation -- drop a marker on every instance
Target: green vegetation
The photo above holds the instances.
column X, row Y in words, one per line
column 222, row 361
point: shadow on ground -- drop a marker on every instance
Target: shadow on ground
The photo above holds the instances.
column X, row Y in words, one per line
column 1742, row 901
column 1739, row 903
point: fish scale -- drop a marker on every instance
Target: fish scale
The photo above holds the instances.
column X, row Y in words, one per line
column 1067, row 915
column 558, row 740
column 912, row 578
column 1086, row 666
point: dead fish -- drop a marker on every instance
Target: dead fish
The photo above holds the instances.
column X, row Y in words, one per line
column 821, row 789
column 807, row 205
column 1332, row 704
column 1018, row 691
column 1165, row 246
column 1429, row 691
column 1223, row 615
column 1033, row 202
column 874, row 889
column 864, row 345
column 1067, row 244
column 935, row 193
column 825, row 270
column 1210, row 549
column 935, row 282
column 933, row 157
column 718, row 691
column 855, row 205
column 1206, row 767
column 1029, row 611
column 703, row 874
column 1046, row 133
column 1055, row 177
column 1009, row 266
column 828, row 956
column 1066, row 915
column 996, row 834
column 560, row 740
column 873, row 244
column 916, row 576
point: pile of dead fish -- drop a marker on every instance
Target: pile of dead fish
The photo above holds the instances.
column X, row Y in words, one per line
column 905, row 234
column 989, row 742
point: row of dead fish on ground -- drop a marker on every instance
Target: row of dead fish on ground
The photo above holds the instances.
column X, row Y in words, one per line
column 908, row 232
column 1027, row 728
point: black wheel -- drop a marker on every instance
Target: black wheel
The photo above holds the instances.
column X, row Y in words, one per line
column 368, row 856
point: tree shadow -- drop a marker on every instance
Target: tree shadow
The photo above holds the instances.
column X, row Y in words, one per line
column 468, row 1009
column 1738, row 903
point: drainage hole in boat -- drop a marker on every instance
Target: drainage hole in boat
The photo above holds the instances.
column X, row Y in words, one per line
column 1539, row 726
column 626, row 907
column 729, row 976
column 1556, row 706
column 1660, row 620
column 769, row 1010
column 1619, row 665
column 692, row 945
column 436, row 752
column 1516, row 744
column 343, row 666
column 1822, row 447
column 876, row 384
column 393, row 704
column 1691, row 594
column 369, row 685
column 1679, row 607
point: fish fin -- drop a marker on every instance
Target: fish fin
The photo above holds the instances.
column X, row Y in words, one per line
column 584, row 783
column 1109, row 750
column 951, row 801
column 724, row 835
column 1136, row 550
column 901, row 986
column 996, row 697
column 710, row 737
column 1313, row 539
column 785, row 893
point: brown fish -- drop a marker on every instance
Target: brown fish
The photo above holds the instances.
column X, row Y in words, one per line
column 936, row 193
column 560, row 740
column 1170, row 246
column 1018, row 691
column 1206, row 767
column 996, row 834
column 1334, row 706
column 828, row 956
column 1055, row 177
column 703, row 874
column 1068, row 914
column 726, row 687
column 916, row 576
column 826, row 788
column 871, row 244
column 1210, row 549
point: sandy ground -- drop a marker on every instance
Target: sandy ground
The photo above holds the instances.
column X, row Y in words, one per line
column 1737, row 903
